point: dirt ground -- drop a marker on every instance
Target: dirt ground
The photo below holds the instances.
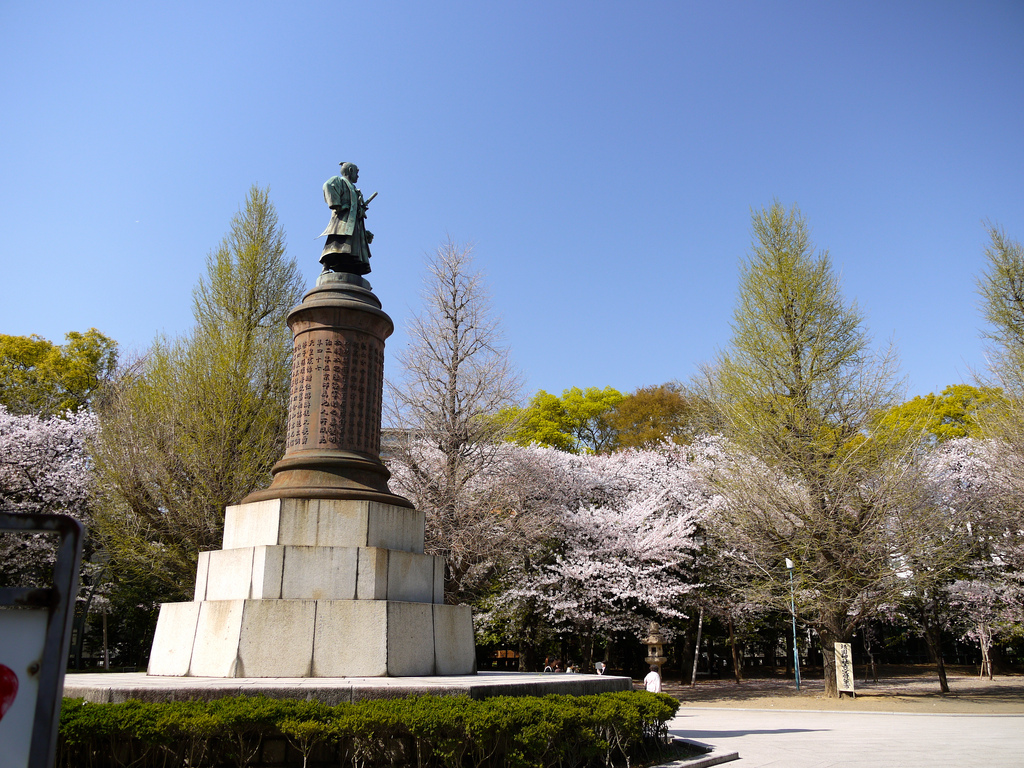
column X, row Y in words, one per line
column 904, row 689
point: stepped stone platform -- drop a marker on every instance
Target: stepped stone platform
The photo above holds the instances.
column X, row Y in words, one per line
column 323, row 574
column 316, row 588
column 101, row 688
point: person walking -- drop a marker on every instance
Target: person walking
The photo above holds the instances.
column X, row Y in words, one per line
column 653, row 680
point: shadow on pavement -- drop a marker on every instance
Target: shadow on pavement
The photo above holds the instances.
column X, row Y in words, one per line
column 688, row 734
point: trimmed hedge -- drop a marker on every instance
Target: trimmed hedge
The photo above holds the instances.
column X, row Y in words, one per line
column 454, row 732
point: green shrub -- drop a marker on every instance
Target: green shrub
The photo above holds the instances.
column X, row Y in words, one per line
column 448, row 732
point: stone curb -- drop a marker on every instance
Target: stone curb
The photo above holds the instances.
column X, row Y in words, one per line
column 116, row 687
column 701, row 761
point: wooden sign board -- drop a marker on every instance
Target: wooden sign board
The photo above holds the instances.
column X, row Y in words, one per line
column 844, row 668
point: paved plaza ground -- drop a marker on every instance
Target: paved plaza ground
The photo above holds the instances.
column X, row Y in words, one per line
column 899, row 721
column 902, row 720
column 808, row 739
column 907, row 691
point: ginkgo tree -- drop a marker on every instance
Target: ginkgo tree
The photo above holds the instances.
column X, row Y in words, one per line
column 798, row 390
column 454, row 375
column 197, row 423
column 1001, row 288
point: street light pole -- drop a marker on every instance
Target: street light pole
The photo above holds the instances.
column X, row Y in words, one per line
column 792, row 607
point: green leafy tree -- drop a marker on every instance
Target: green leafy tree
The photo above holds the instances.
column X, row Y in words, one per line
column 197, row 423
column 590, row 415
column 580, row 421
column 651, row 415
column 958, row 411
column 542, row 422
column 43, row 379
column 797, row 391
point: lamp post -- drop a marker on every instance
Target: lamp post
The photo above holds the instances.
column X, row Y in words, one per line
column 792, row 606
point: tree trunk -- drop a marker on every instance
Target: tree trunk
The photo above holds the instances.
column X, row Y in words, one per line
column 527, row 643
column 106, row 650
column 933, row 639
column 80, row 619
column 829, row 635
column 997, row 659
column 684, row 646
column 771, row 655
column 735, row 657
column 985, row 636
column 712, row 662
column 696, row 647
column 871, row 667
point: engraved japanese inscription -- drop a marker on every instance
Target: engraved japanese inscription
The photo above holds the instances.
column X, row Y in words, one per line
column 336, row 392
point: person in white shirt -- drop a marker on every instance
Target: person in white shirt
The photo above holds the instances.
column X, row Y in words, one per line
column 653, row 680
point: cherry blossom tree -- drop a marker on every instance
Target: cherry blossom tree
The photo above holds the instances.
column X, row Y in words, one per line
column 955, row 555
column 983, row 479
column 621, row 551
column 886, row 540
column 43, row 469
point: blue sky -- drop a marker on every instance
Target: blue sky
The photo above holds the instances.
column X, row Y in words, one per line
column 603, row 157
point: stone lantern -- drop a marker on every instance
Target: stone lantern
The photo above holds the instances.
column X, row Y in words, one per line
column 655, row 646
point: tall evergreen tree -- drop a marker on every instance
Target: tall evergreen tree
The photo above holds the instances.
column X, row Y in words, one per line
column 197, row 423
column 1001, row 287
column 797, row 391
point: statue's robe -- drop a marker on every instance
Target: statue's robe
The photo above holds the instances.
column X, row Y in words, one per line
column 346, row 249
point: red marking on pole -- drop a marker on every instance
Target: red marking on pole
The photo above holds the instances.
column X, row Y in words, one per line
column 8, row 688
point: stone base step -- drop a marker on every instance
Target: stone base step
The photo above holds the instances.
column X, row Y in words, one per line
column 319, row 573
column 312, row 638
column 116, row 687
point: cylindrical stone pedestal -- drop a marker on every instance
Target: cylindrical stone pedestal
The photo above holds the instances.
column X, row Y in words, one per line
column 334, row 415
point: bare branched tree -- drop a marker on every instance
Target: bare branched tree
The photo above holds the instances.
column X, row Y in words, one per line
column 456, row 376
